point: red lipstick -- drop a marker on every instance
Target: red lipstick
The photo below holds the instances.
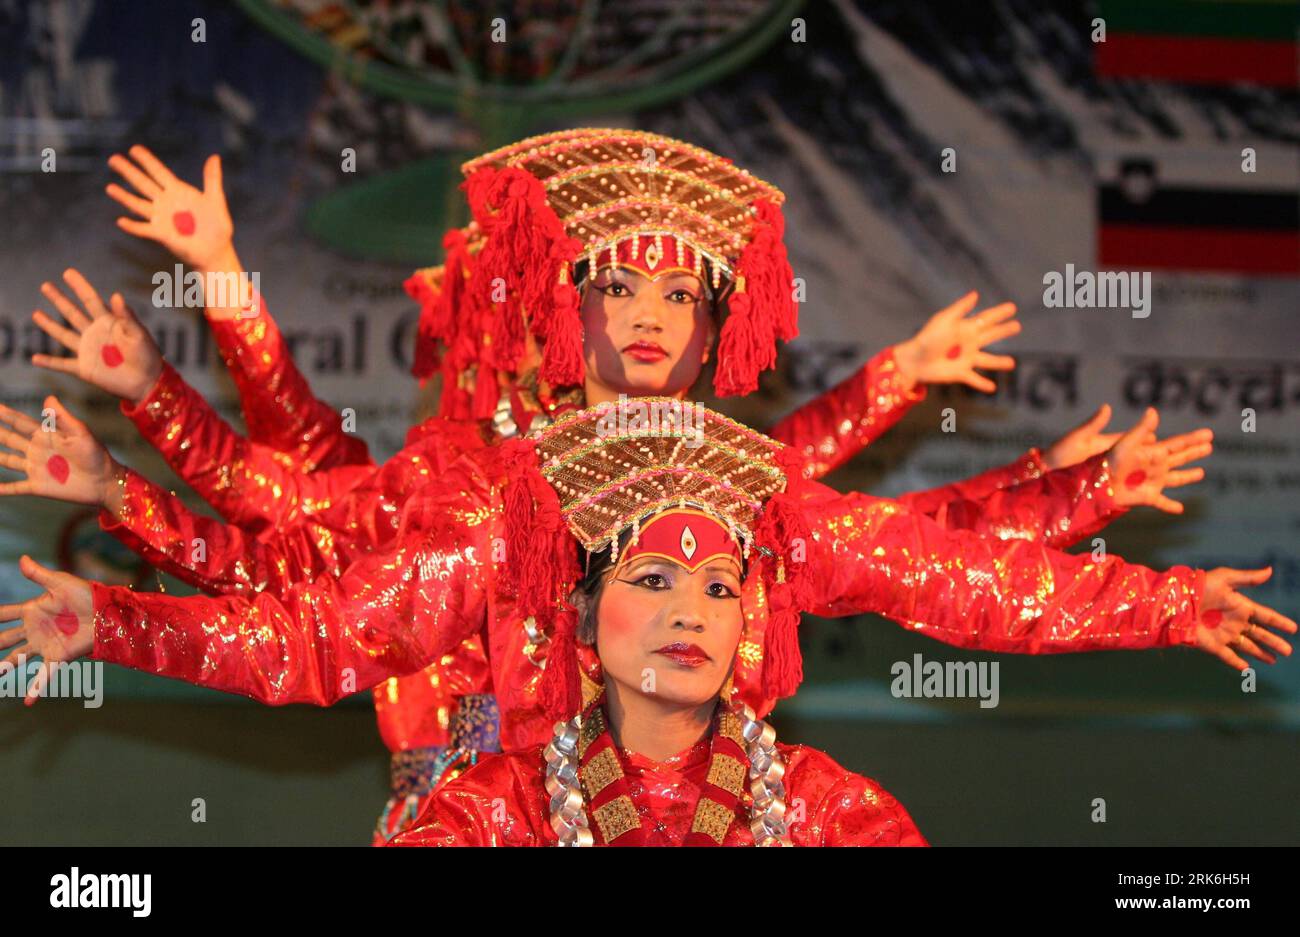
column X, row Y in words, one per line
column 648, row 352
column 688, row 655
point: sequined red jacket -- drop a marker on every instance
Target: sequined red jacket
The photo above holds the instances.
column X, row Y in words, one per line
column 502, row 801
column 400, row 607
column 324, row 519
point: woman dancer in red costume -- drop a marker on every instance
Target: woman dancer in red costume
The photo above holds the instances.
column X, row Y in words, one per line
column 664, row 752
column 172, row 540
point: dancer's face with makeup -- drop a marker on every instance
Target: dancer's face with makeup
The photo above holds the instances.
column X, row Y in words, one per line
column 643, row 336
column 668, row 633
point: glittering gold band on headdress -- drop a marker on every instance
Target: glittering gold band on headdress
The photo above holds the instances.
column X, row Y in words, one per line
column 606, row 185
column 615, row 465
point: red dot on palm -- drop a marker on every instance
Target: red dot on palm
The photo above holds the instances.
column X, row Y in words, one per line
column 112, row 355
column 954, row 352
column 1212, row 618
column 1135, row 478
column 67, row 621
column 184, row 222
column 58, row 468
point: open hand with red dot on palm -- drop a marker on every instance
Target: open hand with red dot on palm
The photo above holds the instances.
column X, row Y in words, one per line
column 1143, row 466
column 194, row 225
column 114, row 352
column 59, row 456
column 1230, row 622
column 950, row 346
column 58, row 625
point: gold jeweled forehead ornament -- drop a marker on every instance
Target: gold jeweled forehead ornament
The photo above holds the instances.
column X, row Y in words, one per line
column 609, row 196
column 596, row 479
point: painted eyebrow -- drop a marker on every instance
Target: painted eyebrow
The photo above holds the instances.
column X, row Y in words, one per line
column 647, row 562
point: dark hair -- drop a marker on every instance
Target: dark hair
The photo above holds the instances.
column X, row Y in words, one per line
column 591, row 585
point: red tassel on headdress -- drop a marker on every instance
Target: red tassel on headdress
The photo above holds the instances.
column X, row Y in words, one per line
column 746, row 347
column 784, row 528
column 773, row 278
column 561, row 689
column 541, row 568
column 763, row 312
column 453, row 401
column 427, row 356
column 524, row 239
column 439, row 309
column 562, row 363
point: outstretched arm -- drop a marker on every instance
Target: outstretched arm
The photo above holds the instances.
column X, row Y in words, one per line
column 1078, row 445
column 1068, row 504
column 213, row 556
column 279, row 407
column 1016, row 596
column 831, row 429
column 389, row 614
column 839, row 424
column 250, row 484
column 62, row 460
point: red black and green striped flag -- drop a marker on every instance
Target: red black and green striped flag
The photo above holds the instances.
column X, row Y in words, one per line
column 1194, row 209
column 1202, row 41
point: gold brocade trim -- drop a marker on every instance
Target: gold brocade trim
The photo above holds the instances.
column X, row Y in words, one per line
column 712, row 819
column 602, row 771
column 579, row 418
column 591, row 729
column 728, row 687
column 616, row 818
column 727, row 773
column 590, row 688
column 729, row 728
column 576, row 455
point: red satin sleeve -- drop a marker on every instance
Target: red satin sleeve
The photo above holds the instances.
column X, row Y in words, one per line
column 840, row 808
column 965, row 589
column 218, row 557
column 391, row 613
column 498, row 802
column 1028, row 467
column 1059, row 508
column 224, row 558
column 280, row 409
column 249, row 484
column 839, row 424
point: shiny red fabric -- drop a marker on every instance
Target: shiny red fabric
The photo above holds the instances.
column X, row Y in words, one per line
column 295, row 464
column 328, row 517
column 280, row 410
column 400, row 607
column 502, row 801
column 329, row 504
column 831, row 429
column 1027, row 468
column 253, row 484
column 1021, row 499
column 392, row 612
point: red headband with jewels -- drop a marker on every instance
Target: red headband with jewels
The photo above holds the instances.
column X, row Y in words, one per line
column 652, row 257
column 690, row 538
